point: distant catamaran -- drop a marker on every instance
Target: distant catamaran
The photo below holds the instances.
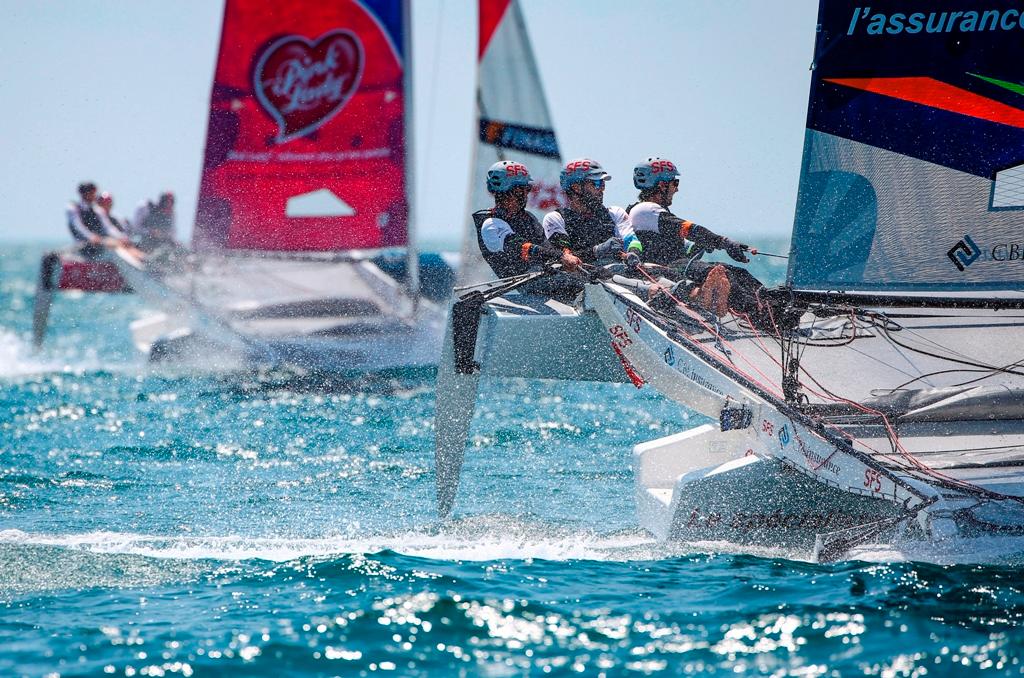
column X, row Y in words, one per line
column 894, row 412
column 302, row 249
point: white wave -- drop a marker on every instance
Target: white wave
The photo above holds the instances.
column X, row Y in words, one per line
column 488, row 538
column 177, row 547
column 449, row 545
column 16, row 357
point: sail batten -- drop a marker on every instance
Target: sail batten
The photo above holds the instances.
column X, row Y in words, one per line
column 308, row 102
column 914, row 134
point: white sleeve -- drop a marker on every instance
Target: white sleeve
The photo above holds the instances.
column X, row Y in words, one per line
column 75, row 223
column 493, row 232
column 108, row 226
column 645, row 215
column 623, row 228
column 554, row 223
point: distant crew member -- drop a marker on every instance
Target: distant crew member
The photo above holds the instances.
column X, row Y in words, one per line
column 666, row 238
column 511, row 239
column 87, row 223
column 593, row 232
column 105, row 202
column 154, row 223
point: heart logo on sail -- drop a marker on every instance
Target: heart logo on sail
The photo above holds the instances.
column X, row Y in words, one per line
column 303, row 84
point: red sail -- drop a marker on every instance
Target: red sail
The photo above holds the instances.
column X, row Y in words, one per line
column 306, row 144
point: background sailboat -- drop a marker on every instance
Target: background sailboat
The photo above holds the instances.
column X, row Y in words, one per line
column 305, row 193
column 513, row 123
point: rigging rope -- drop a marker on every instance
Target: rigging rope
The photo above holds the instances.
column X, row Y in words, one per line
column 913, row 463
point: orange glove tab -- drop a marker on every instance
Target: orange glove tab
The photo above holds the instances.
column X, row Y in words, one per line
column 684, row 229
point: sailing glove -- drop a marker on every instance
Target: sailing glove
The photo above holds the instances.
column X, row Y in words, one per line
column 735, row 250
column 632, row 260
column 608, row 249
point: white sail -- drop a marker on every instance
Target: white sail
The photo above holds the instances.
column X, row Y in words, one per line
column 513, row 122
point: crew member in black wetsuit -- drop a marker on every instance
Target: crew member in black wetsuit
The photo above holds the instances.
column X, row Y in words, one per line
column 510, row 238
column 154, row 224
column 666, row 238
column 88, row 224
column 592, row 231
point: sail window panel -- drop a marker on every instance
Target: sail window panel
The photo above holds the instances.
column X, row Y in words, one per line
column 869, row 218
column 1008, row 189
column 320, row 203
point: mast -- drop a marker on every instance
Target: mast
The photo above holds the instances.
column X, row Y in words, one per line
column 412, row 259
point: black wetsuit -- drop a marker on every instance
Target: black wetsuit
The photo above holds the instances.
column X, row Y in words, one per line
column 90, row 220
column 93, row 225
column 668, row 246
column 156, row 228
column 523, row 249
column 583, row 233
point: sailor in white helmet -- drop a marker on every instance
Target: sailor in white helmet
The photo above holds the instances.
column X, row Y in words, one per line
column 585, row 226
column 665, row 236
column 511, row 239
column 667, row 239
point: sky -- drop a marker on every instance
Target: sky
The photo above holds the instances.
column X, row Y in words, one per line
column 117, row 91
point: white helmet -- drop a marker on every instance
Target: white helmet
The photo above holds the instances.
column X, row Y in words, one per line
column 505, row 175
column 650, row 172
column 581, row 169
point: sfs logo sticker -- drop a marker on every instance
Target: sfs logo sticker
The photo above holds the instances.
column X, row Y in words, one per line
column 659, row 166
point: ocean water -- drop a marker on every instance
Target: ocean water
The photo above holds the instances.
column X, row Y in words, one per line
column 156, row 522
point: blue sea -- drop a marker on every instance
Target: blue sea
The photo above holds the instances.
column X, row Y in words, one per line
column 156, row 522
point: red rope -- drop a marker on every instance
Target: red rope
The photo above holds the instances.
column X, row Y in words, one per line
column 627, row 366
column 722, row 340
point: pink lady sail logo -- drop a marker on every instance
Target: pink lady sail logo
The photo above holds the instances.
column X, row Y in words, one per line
column 303, row 84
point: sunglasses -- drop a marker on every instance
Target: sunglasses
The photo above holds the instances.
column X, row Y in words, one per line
column 598, row 183
column 675, row 182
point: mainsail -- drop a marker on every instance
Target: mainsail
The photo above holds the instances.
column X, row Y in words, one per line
column 913, row 165
column 513, row 121
column 307, row 142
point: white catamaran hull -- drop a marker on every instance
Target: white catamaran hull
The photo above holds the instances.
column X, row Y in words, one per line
column 772, row 502
column 775, row 476
column 303, row 327
column 880, row 394
column 682, row 494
